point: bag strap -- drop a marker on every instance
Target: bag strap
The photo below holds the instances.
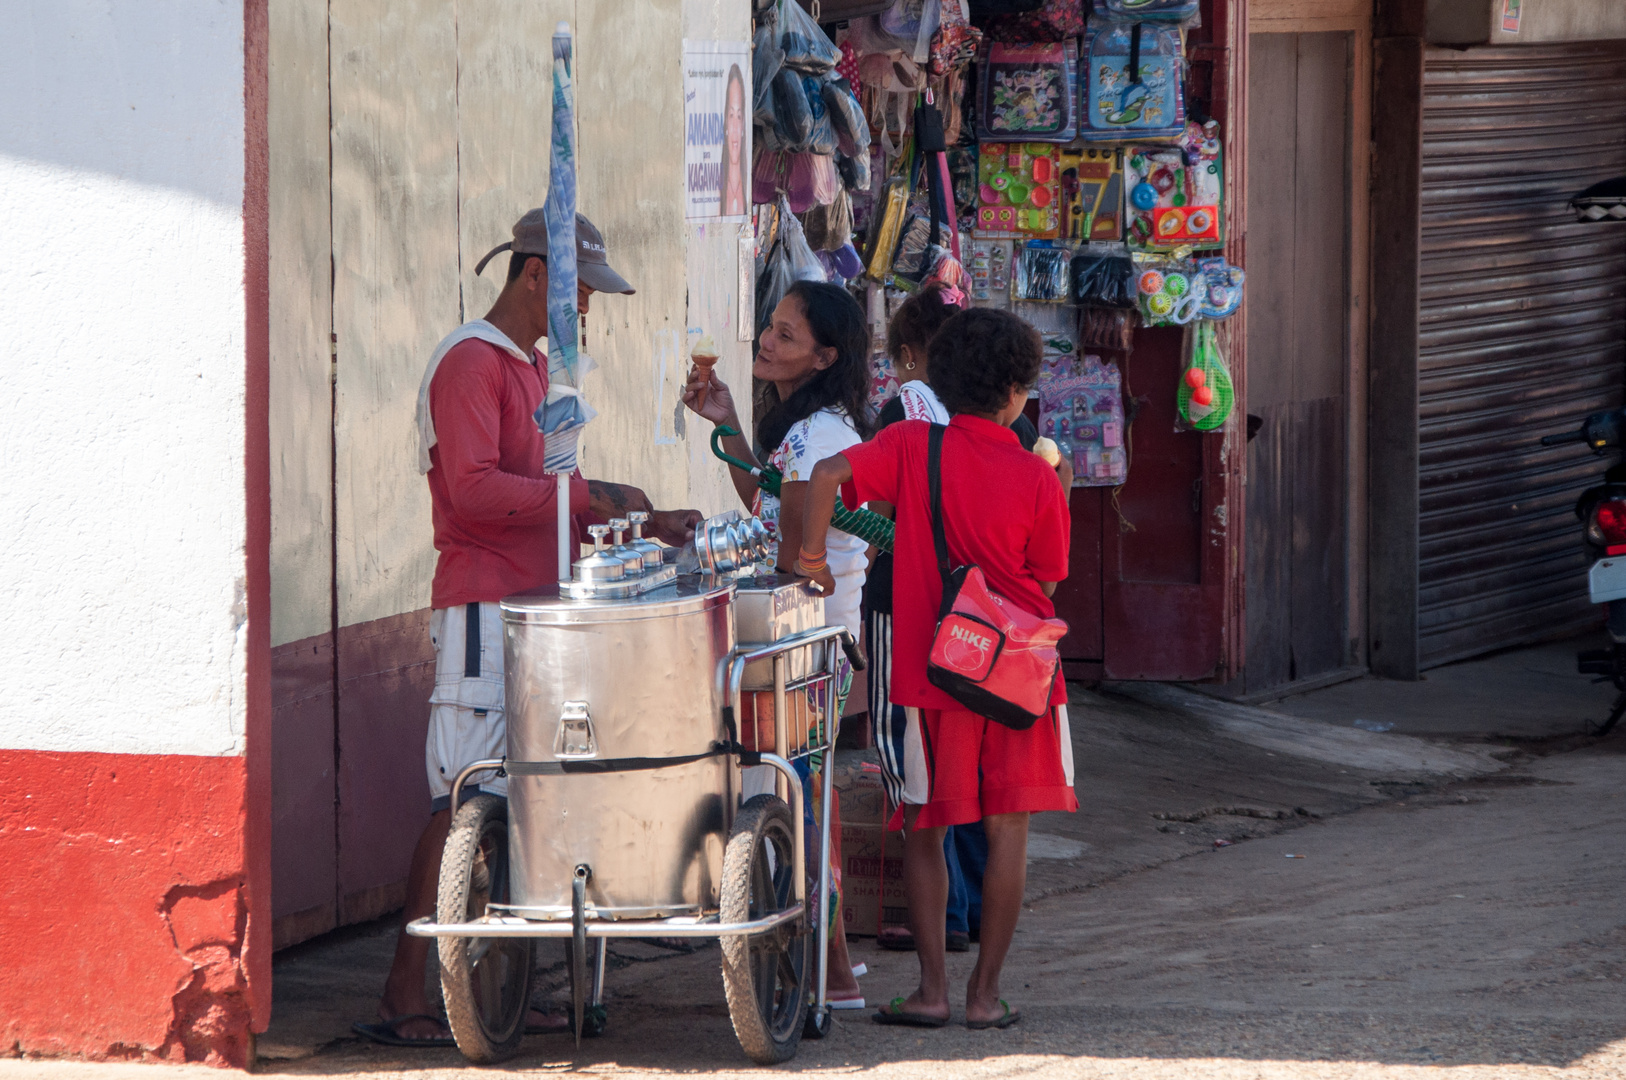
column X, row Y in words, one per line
column 934, row 481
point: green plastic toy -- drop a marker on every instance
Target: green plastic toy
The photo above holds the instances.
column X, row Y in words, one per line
column 1205, row 396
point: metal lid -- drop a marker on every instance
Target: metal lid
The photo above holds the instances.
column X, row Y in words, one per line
column 689, row 593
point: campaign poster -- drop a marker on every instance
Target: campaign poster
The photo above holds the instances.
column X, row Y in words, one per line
column 717, row 130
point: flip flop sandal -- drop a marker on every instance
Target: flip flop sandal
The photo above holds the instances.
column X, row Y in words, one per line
column 896, row 938
column 1011, row 1016
column 851, row 1004
column 894, row 1014
column 386, row 1032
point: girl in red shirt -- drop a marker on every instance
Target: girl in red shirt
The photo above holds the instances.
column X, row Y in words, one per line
column 1004, row 510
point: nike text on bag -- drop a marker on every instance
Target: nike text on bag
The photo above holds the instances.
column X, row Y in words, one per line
column 988, row 654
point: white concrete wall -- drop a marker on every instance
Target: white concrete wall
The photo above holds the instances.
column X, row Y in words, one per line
column 122, row 428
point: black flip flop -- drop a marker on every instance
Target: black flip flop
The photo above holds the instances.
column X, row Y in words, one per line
column 1011, row 1016
column 895, row 1014
column 385, row 1032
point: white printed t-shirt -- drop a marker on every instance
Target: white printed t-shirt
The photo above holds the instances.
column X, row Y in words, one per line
column 824, row 434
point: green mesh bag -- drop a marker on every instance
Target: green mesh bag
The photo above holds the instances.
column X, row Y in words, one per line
column 867, row 525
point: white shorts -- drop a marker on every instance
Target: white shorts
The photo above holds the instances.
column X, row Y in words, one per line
column 466, row 721
column 917, row 774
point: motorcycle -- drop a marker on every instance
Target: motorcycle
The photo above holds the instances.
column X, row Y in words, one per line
column 1602, row 510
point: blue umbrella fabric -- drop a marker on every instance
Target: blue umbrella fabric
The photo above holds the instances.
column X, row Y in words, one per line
column 564, row 413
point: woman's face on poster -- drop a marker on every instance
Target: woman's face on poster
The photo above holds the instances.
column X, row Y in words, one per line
column 734, row 119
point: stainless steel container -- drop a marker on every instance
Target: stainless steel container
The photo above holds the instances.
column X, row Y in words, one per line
column 592, row 683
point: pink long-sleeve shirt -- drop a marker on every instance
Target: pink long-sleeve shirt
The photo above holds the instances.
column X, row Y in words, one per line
column 495, row 509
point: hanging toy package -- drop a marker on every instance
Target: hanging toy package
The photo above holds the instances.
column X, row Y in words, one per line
column 1091, row 193
column 990, row 270
column 1081, row 408
column 1175, row 191
column 1018, row 187
column 1221, row 288
column 1041, row 272
column 1028, row 92
column 1169, row 290
column 1204, row 397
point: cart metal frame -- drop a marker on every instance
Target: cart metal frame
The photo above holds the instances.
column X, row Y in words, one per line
column 832, row 640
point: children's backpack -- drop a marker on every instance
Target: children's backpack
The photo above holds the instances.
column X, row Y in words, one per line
column 1026, row 93
column 1052, row 20
column 1133, row 82
column 1163, row 11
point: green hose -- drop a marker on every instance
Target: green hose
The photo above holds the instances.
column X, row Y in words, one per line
column 867, row 525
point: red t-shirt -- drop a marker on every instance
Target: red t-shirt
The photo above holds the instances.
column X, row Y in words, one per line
column 494, row 506
column 1003, row 510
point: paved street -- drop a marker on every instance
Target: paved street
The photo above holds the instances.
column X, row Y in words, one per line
column 1451, row 908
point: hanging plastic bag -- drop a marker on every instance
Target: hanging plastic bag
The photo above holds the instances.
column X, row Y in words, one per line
column 804, row 265
column 766, row 60
column 830, row 227
column 822, row 139
column 1103, row 279
column 807, row 49
column 846, row 116
column 793, row 119
column 792, row 175
column 854, row 170
column 824, row 182
column 1204, row 397
column 773, row 282
column 912, row 22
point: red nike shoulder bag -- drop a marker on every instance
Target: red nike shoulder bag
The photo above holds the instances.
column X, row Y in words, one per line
column 988, row 654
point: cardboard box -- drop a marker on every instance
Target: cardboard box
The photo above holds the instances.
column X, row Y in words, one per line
column 861, row 794
column 871, row 877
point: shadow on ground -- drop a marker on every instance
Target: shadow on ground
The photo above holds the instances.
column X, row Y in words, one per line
column 1387, row 900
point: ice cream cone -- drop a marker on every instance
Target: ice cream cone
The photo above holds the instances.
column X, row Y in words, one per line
column 704, row 358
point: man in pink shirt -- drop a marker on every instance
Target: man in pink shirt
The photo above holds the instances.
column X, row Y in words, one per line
column 495, row 513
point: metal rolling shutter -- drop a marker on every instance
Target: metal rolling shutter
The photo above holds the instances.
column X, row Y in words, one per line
column 1523, row 332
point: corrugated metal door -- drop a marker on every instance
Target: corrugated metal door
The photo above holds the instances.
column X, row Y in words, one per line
column 1523, row 313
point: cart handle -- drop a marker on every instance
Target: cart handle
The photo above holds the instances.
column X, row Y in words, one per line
column 470, row 770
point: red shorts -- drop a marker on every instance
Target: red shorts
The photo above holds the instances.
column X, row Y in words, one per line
column 960, row 767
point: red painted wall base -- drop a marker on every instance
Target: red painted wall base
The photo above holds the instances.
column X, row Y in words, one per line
column 124, row 908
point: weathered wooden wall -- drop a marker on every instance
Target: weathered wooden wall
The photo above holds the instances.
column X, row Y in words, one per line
column 440, row 121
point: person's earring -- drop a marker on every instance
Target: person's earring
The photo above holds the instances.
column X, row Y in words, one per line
column 910, row 366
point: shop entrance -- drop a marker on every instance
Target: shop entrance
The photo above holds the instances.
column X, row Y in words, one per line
column 1300, row 343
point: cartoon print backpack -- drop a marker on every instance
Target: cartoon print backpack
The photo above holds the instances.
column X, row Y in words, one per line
column 1133, row 82
column 1165, row 11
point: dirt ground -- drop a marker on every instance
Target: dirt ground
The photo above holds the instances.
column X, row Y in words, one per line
column 1444, row 904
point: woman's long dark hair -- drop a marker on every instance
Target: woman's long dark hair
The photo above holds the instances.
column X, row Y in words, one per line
column 837, row 323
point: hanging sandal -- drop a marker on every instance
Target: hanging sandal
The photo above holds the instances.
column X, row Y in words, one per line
column 1011, row 1016
column 894, row 1014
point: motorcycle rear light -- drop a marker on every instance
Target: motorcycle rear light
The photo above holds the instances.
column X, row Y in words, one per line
column 1609, row 518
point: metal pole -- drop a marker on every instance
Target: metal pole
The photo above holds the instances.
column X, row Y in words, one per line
column 832, row 721
column 564, row 527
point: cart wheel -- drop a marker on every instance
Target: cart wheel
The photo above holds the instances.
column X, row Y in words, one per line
column 819, row 1023
column 486, row 981
column 765, row 976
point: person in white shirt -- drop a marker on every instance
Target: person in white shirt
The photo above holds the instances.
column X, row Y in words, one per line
column 815, row 354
